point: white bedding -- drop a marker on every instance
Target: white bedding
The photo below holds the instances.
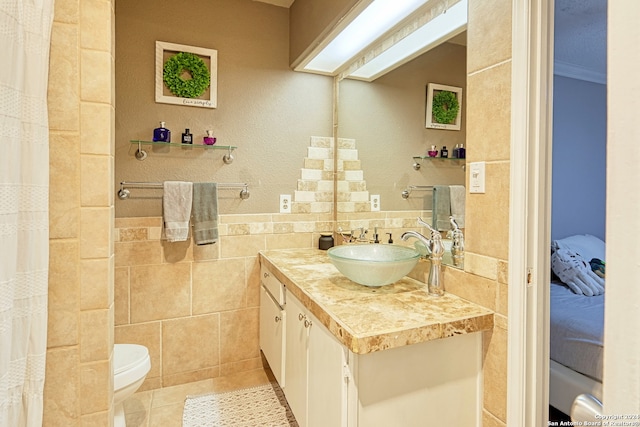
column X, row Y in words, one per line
column 577, row 326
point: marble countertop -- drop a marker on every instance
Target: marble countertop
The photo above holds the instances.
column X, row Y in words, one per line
column 367, row 319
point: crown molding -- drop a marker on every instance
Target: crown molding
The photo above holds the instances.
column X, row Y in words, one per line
column 566, row 69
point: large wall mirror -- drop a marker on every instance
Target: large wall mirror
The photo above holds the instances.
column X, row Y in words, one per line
column 386, row 121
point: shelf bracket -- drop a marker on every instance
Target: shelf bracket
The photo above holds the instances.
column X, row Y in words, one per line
column 228, row 159
column 140, row 153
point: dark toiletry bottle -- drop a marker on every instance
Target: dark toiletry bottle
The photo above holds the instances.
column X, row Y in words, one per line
column 456, row 151
column 187, row 138
column 325, row 242
column 162, row 134
column 462, row 152
column 444, row 152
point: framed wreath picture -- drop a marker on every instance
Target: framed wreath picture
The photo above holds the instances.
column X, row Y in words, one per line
column 186, row 75
column 444, row 107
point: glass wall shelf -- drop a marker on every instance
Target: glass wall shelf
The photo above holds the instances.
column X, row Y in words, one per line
column 417, row 160
column 141, row 154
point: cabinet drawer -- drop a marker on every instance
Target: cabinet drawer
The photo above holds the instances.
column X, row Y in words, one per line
column 273, row 285
column 272, row 334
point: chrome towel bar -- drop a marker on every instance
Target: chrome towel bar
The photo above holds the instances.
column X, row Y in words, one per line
column 407, row 191
column 124, row 192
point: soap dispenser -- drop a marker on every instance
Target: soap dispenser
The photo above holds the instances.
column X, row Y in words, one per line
column 162, row 134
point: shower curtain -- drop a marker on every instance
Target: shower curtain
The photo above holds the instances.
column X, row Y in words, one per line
column 25, row 30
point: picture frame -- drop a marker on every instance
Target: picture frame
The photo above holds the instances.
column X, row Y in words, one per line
column 208, row 57
column 438, row 116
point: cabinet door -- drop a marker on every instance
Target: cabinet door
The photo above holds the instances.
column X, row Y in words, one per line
column 327, row 389
column 296, row 359
column 272, row 323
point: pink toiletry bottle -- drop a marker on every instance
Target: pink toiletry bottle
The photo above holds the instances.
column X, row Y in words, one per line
column 209, row 139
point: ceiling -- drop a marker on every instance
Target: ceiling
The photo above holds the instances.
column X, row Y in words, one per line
column 580, row 37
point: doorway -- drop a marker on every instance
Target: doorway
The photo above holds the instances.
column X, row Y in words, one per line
column 578, row 201
column 530, row 223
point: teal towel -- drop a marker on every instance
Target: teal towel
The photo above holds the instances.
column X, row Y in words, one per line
column 441, row 207
column 457, row 194
column 205, row 213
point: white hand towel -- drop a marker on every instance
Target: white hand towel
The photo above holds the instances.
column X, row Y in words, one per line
column 176, row 210
column 457, row 193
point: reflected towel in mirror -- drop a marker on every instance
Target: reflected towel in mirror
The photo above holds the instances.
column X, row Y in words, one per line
column 441, row 207
column 457, row 195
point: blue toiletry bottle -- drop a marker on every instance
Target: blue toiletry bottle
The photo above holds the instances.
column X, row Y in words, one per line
column 162, row 134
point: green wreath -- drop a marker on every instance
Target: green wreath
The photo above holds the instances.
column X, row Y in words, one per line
column 197, row 69
column 445, row 107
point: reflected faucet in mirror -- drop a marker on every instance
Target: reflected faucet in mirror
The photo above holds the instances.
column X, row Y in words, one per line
column 435, row 248
column 457, row 237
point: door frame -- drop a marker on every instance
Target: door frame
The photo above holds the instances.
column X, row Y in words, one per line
column 530, row 213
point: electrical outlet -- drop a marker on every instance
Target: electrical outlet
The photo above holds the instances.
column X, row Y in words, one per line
column 285, row 203
column 375, row 202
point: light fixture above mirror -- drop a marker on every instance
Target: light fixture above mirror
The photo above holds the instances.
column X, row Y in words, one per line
column 422, row 37
column 377, row 36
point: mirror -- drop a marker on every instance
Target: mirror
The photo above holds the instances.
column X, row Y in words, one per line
column 382, row 125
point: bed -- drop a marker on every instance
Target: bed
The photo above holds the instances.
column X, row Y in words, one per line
column 576, row 333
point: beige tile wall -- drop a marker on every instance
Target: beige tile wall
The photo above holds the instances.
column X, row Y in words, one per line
column 81, row 311
column 196, row 307
column 487, row 215
column 78, row 383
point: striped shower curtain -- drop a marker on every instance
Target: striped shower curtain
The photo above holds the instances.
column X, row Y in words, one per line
column 25, row 29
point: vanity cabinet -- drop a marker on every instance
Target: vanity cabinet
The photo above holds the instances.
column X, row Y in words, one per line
column 315, row 387
column 397, row 358
column 272, row 323
column 433, row 383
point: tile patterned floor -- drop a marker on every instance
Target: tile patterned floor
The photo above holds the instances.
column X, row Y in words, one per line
column 163, row 407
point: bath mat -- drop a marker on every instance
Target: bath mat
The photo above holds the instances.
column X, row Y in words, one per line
column 257, row 406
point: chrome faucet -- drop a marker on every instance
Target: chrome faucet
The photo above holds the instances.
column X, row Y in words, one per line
column 363, row 235
column 457, row 249
column 435, row 247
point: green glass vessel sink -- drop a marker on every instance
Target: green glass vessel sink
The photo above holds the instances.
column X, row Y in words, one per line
column 373, row 264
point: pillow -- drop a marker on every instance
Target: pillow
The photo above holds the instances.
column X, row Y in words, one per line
column 585, row 245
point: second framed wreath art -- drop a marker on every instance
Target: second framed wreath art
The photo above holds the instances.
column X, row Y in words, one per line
column 444, row 107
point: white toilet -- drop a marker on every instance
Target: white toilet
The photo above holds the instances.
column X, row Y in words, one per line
column 131, row 363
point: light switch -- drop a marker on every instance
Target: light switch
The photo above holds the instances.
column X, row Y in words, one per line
column 476, row 177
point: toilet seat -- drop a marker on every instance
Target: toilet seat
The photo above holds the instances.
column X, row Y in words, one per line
column 130, row 363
